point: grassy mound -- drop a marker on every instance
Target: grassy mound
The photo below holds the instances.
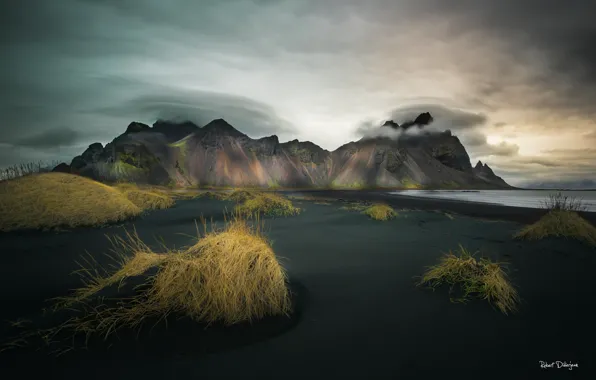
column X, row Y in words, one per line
column 149, row 199
column 240, row 195
column 481, row 278
column 267, row 204
column 52, row 200
column 560, row 223
column 380, row 211
column 213, row 195
column 562, row 220
column 228, row 276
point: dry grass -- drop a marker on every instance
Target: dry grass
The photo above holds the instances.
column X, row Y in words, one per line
column 214, row 195
column 560, row 223
column 267, row 204
column 229, row 276
column 562, row 220
column 380, row 211
column 145, row 199
column 474, row 277
column 56, row 200
column 240, row 195
column 356, row 206
column 560, row 202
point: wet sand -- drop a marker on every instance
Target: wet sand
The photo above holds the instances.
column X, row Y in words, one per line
column 360, row 313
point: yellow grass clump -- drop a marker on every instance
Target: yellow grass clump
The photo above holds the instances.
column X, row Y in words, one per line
column 560, row 223
column 241, row 195
column 267, row 204
column 474, row 277
column 146, row 199
column 213, row 195
column 56, row 200
column 227, row 276
column 380, row 211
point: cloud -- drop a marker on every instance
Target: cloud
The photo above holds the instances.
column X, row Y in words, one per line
column 500, row 149
column 303, row 68
column 249, row 116
column 50, row 138
column 444, row 117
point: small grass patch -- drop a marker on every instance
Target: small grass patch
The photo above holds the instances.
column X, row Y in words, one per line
column 560, row 202
column 228, row 276
column 562, row 220
column 560, row 223
column 60, row 200
column 380, row 211
column 241, row 195
column 213, row 195
column 270, row 204
column 356, row 206
column 149, row 199
column 448, row 215
column 472, row 277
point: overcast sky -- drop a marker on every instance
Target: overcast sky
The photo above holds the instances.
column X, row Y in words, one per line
column 516, row 80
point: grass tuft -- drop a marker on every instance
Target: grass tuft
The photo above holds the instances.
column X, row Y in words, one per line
column 267, row 204
column 230, row 276
column 380, row 211
column 240, row 195
column 560, row 223
column 60, row 200
column 560, row 202
column 562, row 220
column 149, row 199
column 473, row 277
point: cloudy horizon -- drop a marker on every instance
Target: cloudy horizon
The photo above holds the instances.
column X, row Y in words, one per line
column 515, row 80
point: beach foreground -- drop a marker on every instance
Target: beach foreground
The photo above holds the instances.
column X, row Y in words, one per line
column 358, row 310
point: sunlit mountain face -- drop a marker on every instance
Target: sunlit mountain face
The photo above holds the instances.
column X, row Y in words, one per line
column 217, row 154
column 515, row 81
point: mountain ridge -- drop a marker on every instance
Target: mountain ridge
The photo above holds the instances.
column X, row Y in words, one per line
column 217, row 154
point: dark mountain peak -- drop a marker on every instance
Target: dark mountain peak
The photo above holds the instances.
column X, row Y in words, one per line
column 95, row 146
column 391, row 124
column 303, row 145
column 62, row 167
column 218, row 123
column 136, row 127
column 421, row 120
column 220, row 126
column 484, row 169
column 270, row 139
column 174, row 130
column 424, row 118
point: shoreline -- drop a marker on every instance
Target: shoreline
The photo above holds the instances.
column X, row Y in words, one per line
column 522, row 215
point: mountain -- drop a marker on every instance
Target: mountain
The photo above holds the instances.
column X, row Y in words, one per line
column 485, row 172
column 584, row 184
column 217, row 154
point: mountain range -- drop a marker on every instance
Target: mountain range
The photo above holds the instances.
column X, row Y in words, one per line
column 584, row 184
column 217, row 154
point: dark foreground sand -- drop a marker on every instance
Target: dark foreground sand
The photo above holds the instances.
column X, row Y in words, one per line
column 359, row 313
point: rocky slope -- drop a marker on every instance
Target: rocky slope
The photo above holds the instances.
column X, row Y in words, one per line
column 219, row 155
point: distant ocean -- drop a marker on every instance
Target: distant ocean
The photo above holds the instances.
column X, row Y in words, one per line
column 515, row 198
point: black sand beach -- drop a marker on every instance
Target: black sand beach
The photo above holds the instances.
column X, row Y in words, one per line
column 359, row 313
